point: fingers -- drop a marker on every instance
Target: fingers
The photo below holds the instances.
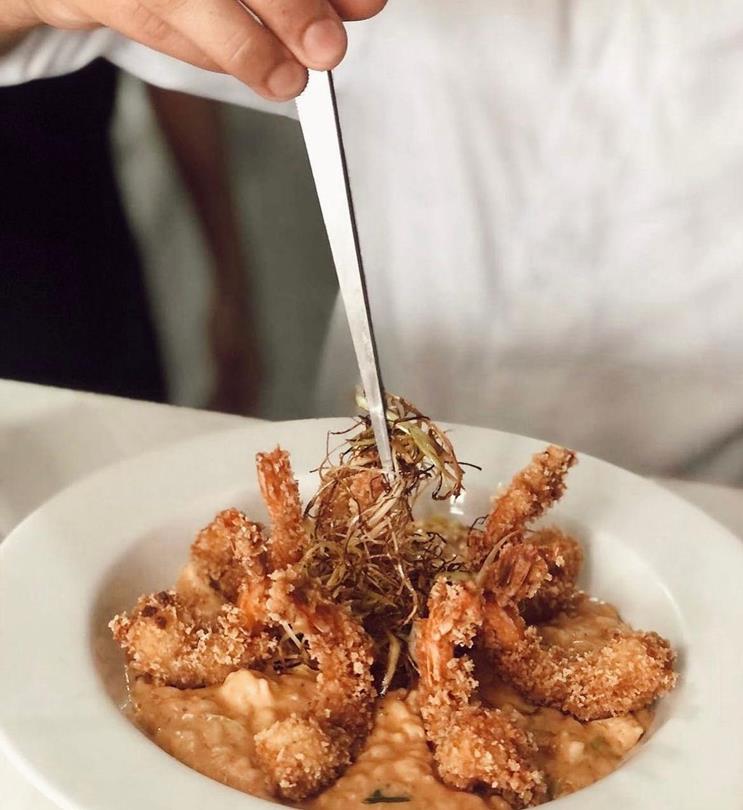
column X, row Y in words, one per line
column 268, row 53
column 238, row 43
column 311, row 29
column 139, row 23
column 358, row 9
column 264, row 43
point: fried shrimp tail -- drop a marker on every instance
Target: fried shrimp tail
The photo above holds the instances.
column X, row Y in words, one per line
column 475, row 746
column 280, row 493
column 165, row 640
column 531, row 492
column 301, row 755
column 517, row 574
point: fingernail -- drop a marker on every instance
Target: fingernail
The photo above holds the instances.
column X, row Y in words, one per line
column 325, row 41
column 287, row 80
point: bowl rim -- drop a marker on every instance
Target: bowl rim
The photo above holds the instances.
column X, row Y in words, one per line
column 693, row 760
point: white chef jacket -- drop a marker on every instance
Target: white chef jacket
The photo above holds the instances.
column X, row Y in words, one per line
column 550, row 203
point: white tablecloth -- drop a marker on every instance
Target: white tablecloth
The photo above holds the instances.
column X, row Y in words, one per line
column 51, row 437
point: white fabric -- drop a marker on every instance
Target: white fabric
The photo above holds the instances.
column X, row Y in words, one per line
column 549, row 201
column 51, row 437
column 46, row 52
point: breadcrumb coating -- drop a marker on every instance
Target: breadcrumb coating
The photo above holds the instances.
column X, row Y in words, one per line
column 165, row 640
column 324, row 742
column 300, row 757
column 563, row 557
column 474, row 746
column 230, row 555
column 280, row 492
column 530, row 493
column 626, row 673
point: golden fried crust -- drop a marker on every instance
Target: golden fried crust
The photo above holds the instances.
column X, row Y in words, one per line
column 227, row 551
column 625, row 674
column 165, row 640
column 338, row 644
column 280, row 493
column 230, row 556
column 454, row 618
column 530, row 493
column 563, row 557
column 475, row 747
column 483, row 747
column 300, row 757
column 517, row 574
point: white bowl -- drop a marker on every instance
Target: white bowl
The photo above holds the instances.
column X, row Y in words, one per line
column 91, row 550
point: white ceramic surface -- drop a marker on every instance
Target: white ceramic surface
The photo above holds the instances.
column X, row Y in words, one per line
column 92, row 549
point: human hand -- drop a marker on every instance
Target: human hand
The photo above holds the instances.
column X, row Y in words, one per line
column 265, row 43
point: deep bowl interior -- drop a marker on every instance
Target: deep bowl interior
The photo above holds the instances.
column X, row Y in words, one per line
column 153, row 561
column 90, row 551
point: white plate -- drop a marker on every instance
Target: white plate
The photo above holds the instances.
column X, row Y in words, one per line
column 92, row 549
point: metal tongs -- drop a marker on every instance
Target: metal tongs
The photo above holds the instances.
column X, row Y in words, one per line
column 318, row 115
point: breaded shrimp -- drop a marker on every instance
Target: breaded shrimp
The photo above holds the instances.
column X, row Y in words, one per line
column 164, row 639
column 303, row 754
column 280, row 493
column 517, row 574
column 300, row 757
column 563, row 557
column 341, row 714
column 475, row 746
column 230, row 555
column 622, row 673
column 530, row 493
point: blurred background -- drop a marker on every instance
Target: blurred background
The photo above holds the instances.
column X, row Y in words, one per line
column 553, row 244
column 286, row 256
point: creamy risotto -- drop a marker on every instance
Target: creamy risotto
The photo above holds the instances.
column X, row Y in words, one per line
column 212, row 730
